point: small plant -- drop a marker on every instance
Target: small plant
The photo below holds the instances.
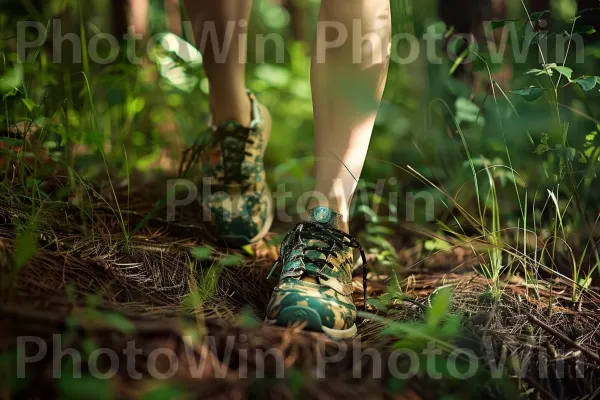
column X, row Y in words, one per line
column 205, row 284
column 376, row 232
column 562, row 166
column 438, row 326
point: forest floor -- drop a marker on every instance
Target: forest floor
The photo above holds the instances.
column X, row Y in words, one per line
column 98, row 288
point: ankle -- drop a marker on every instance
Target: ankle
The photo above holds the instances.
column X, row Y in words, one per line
column 236, row 107
column 337, row 205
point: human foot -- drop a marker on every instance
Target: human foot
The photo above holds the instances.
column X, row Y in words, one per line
column 239, row 201
column 315, row 286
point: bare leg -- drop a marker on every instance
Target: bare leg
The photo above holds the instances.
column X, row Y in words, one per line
column 138, row 16
column 344, row 117
column 224, row 55
column 174, row 16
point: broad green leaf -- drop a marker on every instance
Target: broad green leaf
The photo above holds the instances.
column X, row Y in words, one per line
column 531, row 93
column 590, row 137
column 436, row 245
column 201, row 253
column 585, row 29
column 467, row 111
column 440, row 305
column 50, row 145
column 548, row 70
column 568, row 152
column 565, row 71
column 379, row 230
column 394, row 328
column 11, row 80
column 248, row 250
column 30, row 104
column 231, row 260
column 538, row 72
column 587, row 83
column 135, row 105
column 451, row 327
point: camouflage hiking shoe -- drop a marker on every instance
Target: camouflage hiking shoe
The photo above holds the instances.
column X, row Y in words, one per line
column 316, row 281
column 239, row 201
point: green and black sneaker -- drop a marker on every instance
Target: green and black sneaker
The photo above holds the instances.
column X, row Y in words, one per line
column 315, row 286
column 239, row 201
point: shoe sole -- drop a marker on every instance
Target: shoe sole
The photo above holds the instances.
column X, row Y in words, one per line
column 239, row 241
column 295, row 314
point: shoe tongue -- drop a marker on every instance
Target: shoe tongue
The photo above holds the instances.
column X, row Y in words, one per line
column 233, row 135
column 228, row 126
column 325, row 216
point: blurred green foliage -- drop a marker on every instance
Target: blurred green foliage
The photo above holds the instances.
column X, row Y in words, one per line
column 125, row 109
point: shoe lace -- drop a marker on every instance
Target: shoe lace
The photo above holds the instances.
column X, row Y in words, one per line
column 233, row 150
column 298, row 239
